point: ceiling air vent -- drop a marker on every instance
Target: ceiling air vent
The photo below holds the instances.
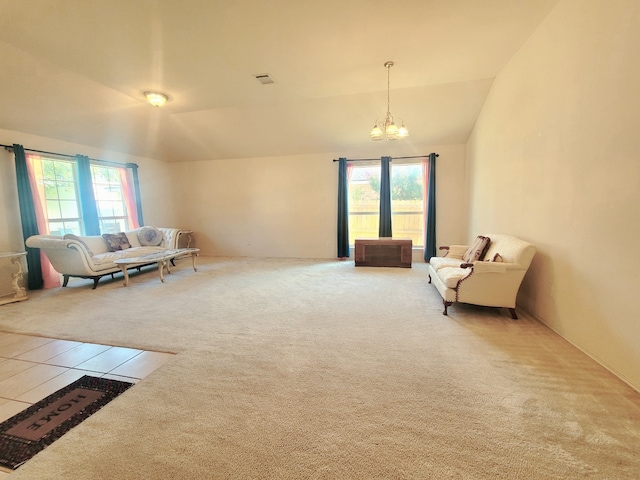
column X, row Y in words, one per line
column 264, row 78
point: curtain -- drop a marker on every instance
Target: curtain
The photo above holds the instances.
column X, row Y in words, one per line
column 87, row 197
column 50, row 277
column 136, row 190
column 429, row 170
column 28, row 218
column 343, row 209
column 129, row 199
column 384, row 229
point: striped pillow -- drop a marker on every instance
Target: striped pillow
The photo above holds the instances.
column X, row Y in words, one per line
column 477, row 249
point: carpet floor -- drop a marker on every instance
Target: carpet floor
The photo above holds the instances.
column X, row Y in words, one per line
column 303, row 369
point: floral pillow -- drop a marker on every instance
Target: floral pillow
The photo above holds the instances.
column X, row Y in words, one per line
column 116, row 241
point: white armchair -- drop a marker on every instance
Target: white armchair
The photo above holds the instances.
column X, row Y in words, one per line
column 492, row 283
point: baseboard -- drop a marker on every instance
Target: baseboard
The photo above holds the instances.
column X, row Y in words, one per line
column 600, row 362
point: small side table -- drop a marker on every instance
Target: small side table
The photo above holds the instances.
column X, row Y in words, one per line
column 19, row 292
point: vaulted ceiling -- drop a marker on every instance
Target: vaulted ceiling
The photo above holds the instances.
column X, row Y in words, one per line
column 76, row 70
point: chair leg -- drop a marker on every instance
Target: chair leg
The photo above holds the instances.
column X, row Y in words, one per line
column 512, row 311
column 429, row 278
column 446, row 305
column 65, row 280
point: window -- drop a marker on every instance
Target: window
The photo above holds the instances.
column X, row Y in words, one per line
column 107, row 189
column 364, row 202
column 57, row 184
column 61, row 199
column 407, row 204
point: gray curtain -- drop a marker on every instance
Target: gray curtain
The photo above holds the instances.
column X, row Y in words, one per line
column 384, row 229
column 430, row 211
column 343, row 210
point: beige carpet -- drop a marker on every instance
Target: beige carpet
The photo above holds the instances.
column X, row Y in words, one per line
column 299, row 369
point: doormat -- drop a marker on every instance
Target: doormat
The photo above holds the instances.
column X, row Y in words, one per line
column 28, row 432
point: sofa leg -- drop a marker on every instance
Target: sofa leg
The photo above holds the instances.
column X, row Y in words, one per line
column 446, row 305
column 512, row 311
column 95, row 283
column 65, row 280
column 429, row 278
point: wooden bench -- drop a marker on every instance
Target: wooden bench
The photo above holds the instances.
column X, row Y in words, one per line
column 383, row 252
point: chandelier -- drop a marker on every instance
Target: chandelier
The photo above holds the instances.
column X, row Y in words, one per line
column 386, row 127
column 156, row 99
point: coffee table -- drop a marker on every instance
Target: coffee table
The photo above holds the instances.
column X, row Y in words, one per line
column 163, row 259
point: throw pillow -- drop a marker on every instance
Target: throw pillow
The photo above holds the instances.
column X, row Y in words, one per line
column 150, row 236
column 477, row 249
column 116, row 241
column 71, row 236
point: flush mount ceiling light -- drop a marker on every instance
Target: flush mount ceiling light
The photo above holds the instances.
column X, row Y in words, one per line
column 156, row 99
column 386, row 127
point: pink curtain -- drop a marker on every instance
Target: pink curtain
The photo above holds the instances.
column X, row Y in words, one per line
column 34, row 166
column 129, row 198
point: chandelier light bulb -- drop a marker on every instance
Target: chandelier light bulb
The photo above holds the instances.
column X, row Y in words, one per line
column 376, row 133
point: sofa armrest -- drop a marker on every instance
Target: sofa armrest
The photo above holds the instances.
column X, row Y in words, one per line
column 170, row 237
column 492, row 284
column 492, row 267
column 69, row 257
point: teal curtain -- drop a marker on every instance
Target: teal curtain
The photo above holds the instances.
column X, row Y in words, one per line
column 28, row 218
column 136, row 187
column 87, row 197
column 343, row 209
column 430, row 211
column 384, row 228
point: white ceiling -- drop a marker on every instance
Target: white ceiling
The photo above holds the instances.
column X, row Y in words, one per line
column 75, row 70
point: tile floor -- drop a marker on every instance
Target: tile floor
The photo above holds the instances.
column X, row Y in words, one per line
column 33, row 367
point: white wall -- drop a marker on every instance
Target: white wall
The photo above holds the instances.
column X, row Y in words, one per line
column 555, row 159
column 156, row 184
column 287, row 206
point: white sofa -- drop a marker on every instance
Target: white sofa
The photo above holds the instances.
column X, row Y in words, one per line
column 492, row 283
column 90, row 256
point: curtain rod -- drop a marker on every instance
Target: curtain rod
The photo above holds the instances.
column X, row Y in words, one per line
column 373, row 159
column 97, row 160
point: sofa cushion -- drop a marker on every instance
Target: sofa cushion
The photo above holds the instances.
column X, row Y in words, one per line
column 109, row 257
column 477, row 249
column 150, row 236
column 116, row 241
column 441, row 262
column 450, row 276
